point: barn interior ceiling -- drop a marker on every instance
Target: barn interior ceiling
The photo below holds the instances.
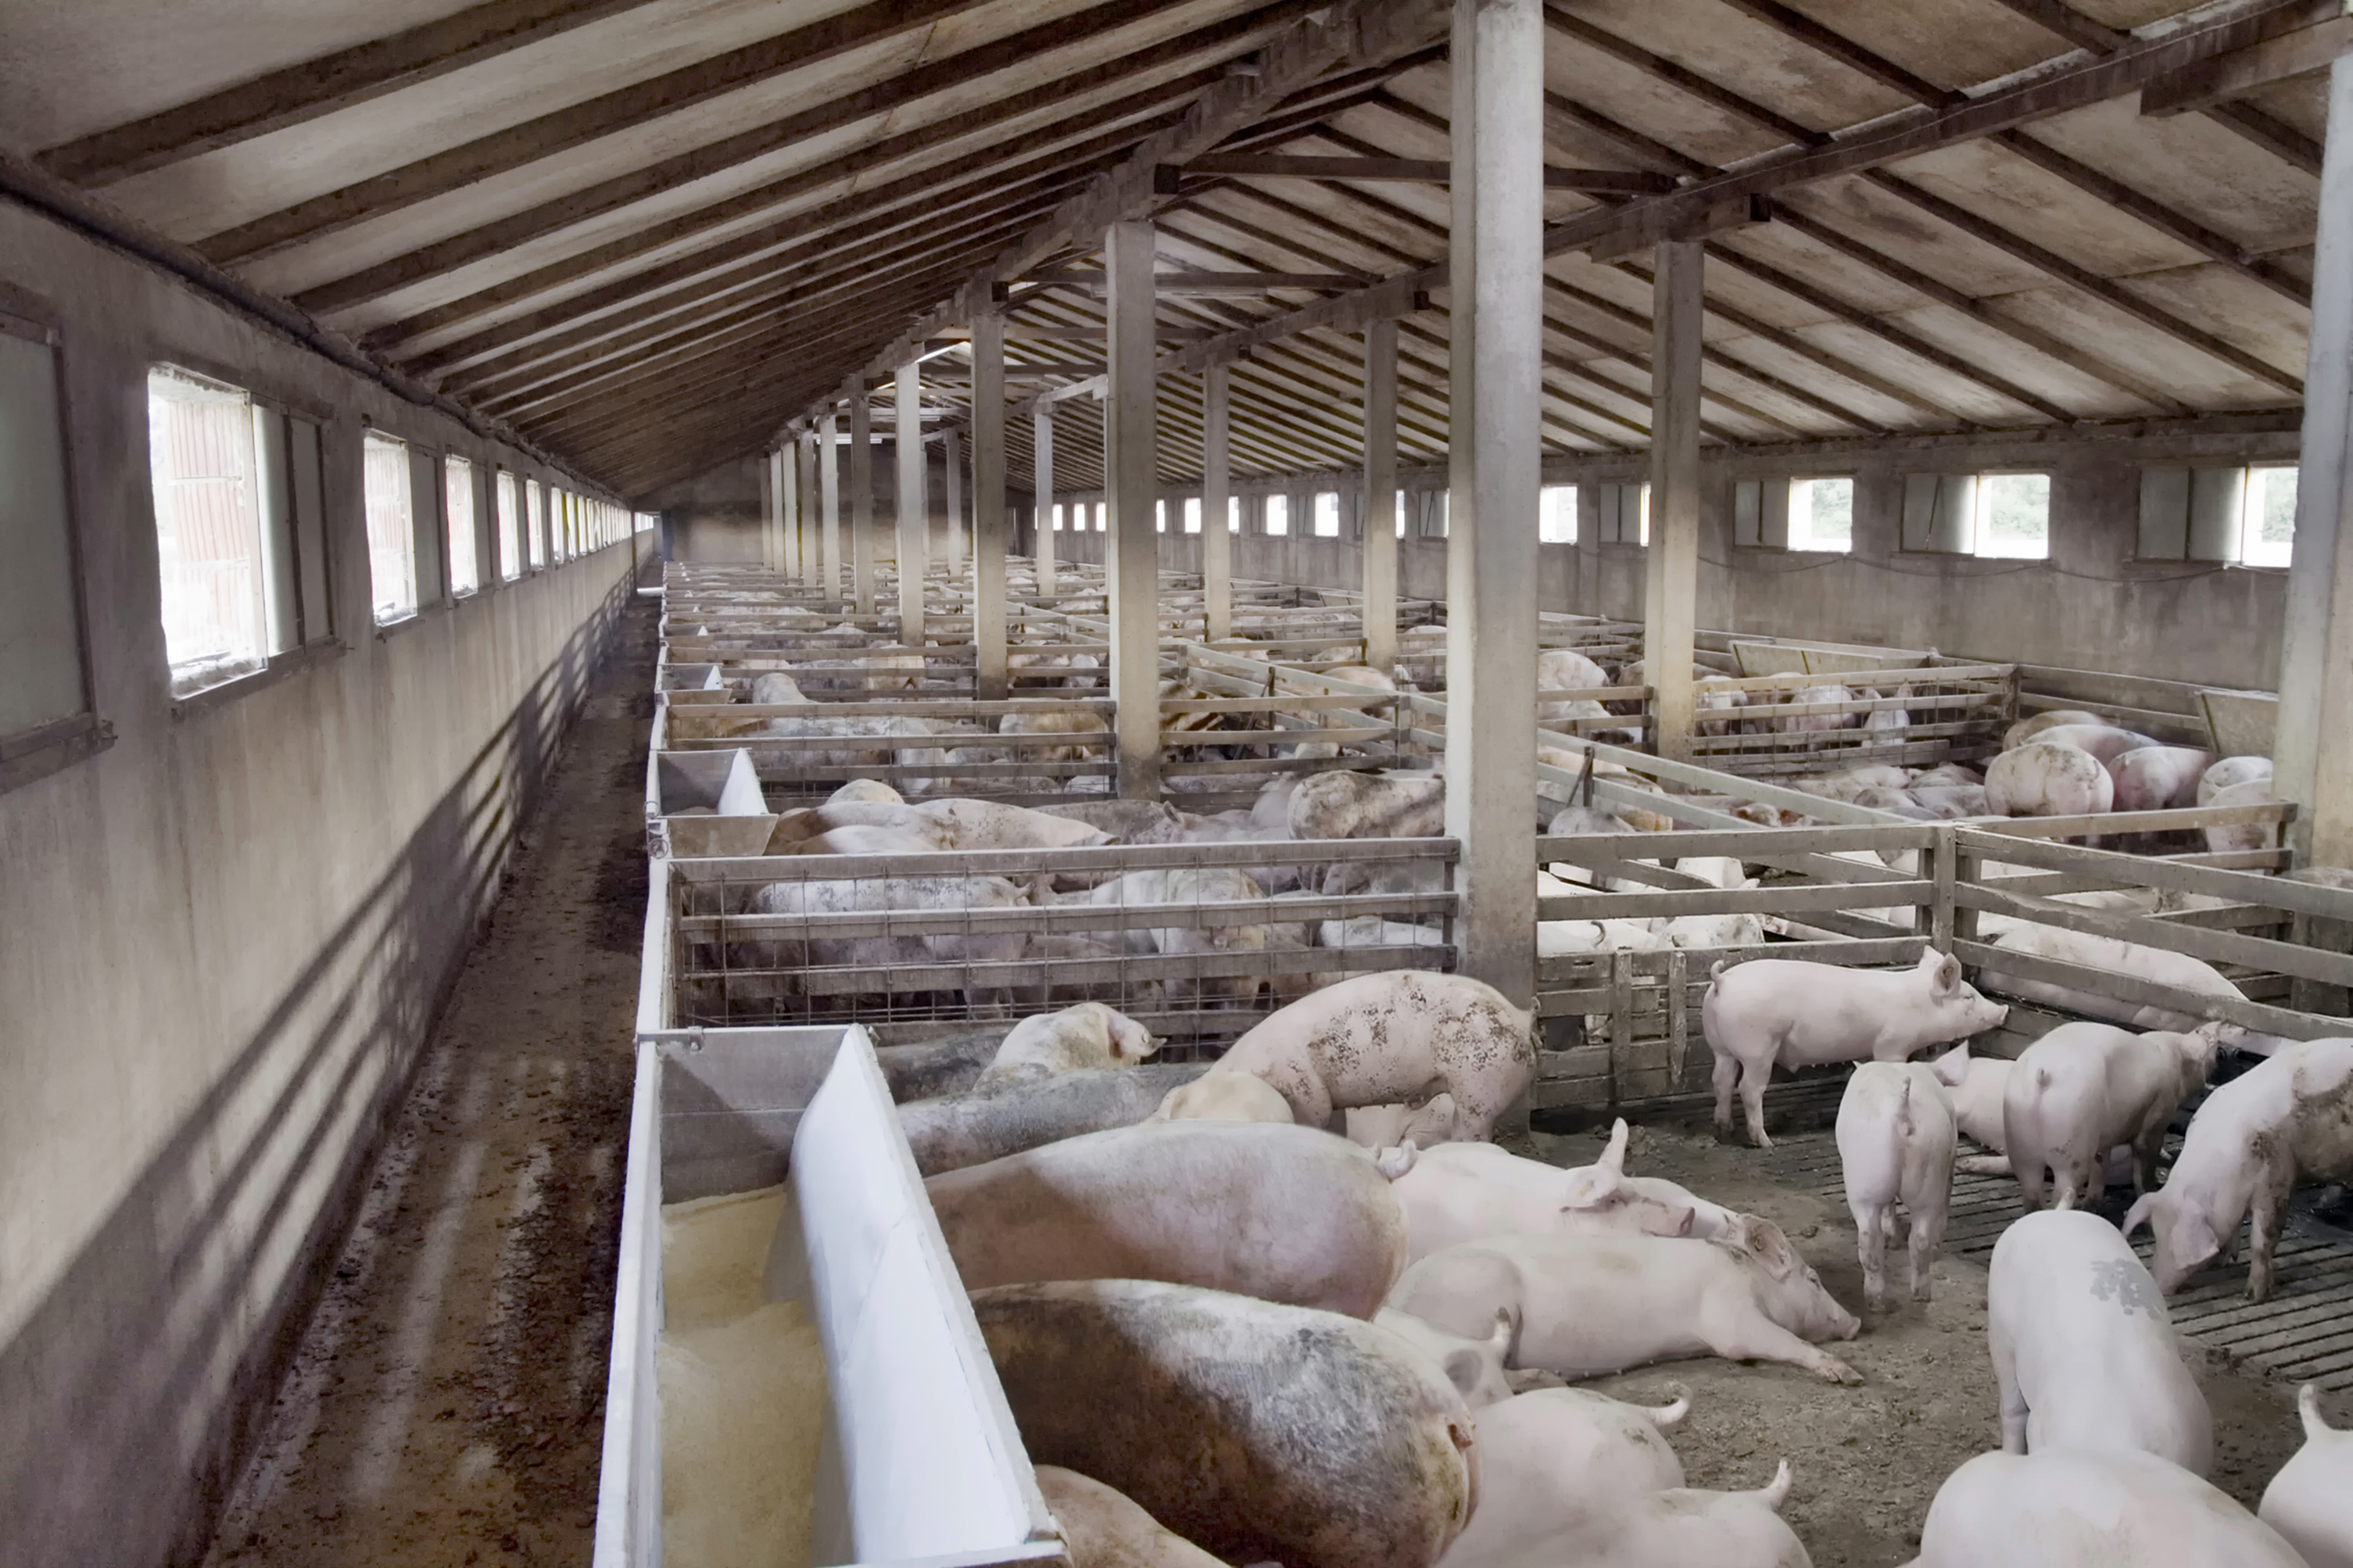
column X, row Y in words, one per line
column 646, row 234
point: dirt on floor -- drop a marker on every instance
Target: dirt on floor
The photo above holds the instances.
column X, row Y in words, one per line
column 446, row 1405
column 1867, row 1461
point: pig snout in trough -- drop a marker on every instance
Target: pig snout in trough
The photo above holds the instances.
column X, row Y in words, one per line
column 2310, row 1501
column 1466, row 1191
column 1104, row 1527
column 1896, row 1144
column 1793, row 1014
column 1259, row 1432
column 1406, row 1035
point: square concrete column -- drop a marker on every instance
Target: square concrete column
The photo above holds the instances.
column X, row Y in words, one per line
column 1216, row 484
column 1042, row 467
column 1496, row 267
column 828, row 436
column 914, row 506
column 1381, row 495
column 861, row 500
column 952, row 451
column 805, row 461
column 771, row 505
column 788, row 471
column 1670, row 581
column 2312, row 747
column 1131, row 487
column 988, row 529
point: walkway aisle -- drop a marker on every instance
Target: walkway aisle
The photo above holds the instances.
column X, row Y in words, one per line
column 446, row 1405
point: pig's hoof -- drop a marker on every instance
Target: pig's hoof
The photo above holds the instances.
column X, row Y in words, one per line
column 1837, row 1370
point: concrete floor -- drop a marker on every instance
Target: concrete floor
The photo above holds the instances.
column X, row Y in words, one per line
column 445, row 1404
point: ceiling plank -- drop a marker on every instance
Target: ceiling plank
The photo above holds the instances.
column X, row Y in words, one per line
column 1570, row 26
column 1846, row 51
column 1415, row 171
column 2058, row 18
column 2212, row 81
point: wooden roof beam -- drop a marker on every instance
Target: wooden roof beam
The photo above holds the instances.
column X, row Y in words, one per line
column 1412, row 171
column 2226, row 76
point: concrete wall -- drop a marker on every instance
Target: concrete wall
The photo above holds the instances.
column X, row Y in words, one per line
column 222, row 941
column 2091, row 606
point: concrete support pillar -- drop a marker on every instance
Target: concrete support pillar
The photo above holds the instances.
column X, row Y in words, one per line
column 2312, row 747
column 1217, row 485
column 1671, row 583
column 989, row 534
column 828, row 436
column 1043, row 465
column 952, row 450
column 788, row 477
column 914, row 506
column 804, row 462
column 1381, row 495
column 771, row 504
column 1130, row 486
column 862, row 499
column 1497, row 266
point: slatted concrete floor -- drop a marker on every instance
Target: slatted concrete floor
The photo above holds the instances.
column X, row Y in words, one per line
column 2305, row 1331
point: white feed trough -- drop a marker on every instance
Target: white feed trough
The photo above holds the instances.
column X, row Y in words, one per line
column 919, row 1461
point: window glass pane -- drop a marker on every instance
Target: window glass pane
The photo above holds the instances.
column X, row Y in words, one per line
column 201, row 460
column 1233, row 514
column 1556, row 516
column 1327, row 514
column 391, row 543
column 2267, row 537
column 510, row 528
column 1193, row 514
column 1103, row 516
column 2014, row 515
column 457, row 518
column 1160, row 517
column 1278, row 514
column 1400, row 514
column 40, row 626
column 534, row 516
column 1821, row 514
column 1645, row 532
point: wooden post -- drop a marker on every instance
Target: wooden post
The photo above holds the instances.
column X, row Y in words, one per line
column 1216, row 484
column 1043, row 471
column 1130, row 486
column 915, row 505
column 2312, row 746
column 1381, row 495
column 829, row 484
column 1671, row 600
column 861, row 500
column 988, row 529
column 1496, row 265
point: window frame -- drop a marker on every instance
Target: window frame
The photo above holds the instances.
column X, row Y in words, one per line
column 450, row 462
column 1981, row 515
column 1544, row 491
column 2247, row 520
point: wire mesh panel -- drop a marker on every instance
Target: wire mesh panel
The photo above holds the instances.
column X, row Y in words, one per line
column 1196, row 940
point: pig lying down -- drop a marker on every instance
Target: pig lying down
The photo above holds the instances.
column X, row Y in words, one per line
column 1782, row 1012
column 1468, row 1191
column 2084, row 1353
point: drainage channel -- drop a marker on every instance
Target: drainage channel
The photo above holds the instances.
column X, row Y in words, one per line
column 2304, row 1333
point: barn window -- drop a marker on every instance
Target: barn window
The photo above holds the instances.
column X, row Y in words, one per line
column 1193, row 514
column 1233, row 514
column 510, row 527
column 1821, row 514
column 2013, row 516
column 225, row 552
column 1621, row 514
column 2267, row 521
column 1327, row 514
column 391, row 528
column 1556, row 515
column 534, row 524
column 458, row 519
column 1278, row 514
column 1160, row 517
column 45, row 716
column 1400, row 514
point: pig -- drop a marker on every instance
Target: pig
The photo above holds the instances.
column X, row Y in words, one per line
column 1089, row 1035
column 2310, row 1501
column 993, row 824
column 1566, row 669
column 1466, row 1191
column 865, row 792
column 1784, row 1011
column 1079, row 720
column 1718, row 695
column 2231, row 771
column 1816, row 723
column 2105, row 741
column 1284, row 1214
column 777, row 686
column 2048, row 778
column 1674, row 1528
column 1404, row 1035
column 870, row 894
column 1709, row 1220
column 1372, row 930
column 1976, row 1085
column 2290, row 1117
column 1197, row 884
column 1712, row 932
column 2242, row 835
column 1562, row 1459
column 2090, row 1509
column 932, row 1067
column 1104, row 1529
column 1586, row 1305
column 2025, row 730
column 950, row 1132
column 1896, row 1142
column 1475, row 1367
column 1362, row 806
column 1566, row 938
column 2114, row 957
column 2159, row 778
column 2084, row 1353
column 2083, row 1089
column 1259, row 1432
column 1391, row 1126
column 1223, row 1097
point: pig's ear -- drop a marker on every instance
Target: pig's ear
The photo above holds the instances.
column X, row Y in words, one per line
column 1952, row 1069
column 2143, row 1211
column 1764, row 1241
column 1613, row 1158
column 1948, row 978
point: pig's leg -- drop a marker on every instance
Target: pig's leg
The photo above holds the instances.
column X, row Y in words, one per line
column 2026, row 1164
column 2005, row 1382
column 1871, row 1247
column 2272, row 1189
column 1752, row 1077
column 1927, row 1236
column 1727, row 1077
column 2144, row 1158
column 1756, row 1337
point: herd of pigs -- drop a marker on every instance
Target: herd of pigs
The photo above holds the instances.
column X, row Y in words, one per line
column 1356, row 1350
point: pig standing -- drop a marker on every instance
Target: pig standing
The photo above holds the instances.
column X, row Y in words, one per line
column 2084, row 1353
column 2083, row 1089
column 1256, row 1431
column 1895, row 1141
column 1104, row 1529
column 2088, row 1509
column 1783, row 1011
column 2048, row 778
column 1586, row 1305
column 2159, row 778
column 2310, row 1501
column 1406, row 1035
column 1562, row 1459
column 1284, row 1214
column 1466, row 1191
column 1976, row 1085
column 2292, row 1116
column 1087, row 1035
column 1677, row 1529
